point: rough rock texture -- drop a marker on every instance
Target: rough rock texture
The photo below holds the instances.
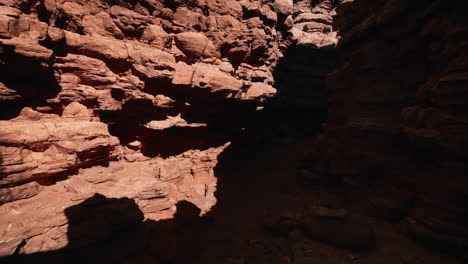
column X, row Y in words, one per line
column 155, row 184
column 397, row 114
column 114, row 114
column 38, row 145
column 133, row 100
column 312, row 25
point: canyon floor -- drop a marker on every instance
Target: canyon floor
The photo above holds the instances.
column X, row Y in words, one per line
column 262, row 196
column 258, row 184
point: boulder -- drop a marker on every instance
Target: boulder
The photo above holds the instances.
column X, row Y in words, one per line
column 285, row 7
column 195, row 45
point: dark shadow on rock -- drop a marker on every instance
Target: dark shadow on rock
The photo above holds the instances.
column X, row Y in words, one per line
column 176, row 140
column 298, row 110
column 113, row 230
column 300, row 80
column 24, row 81
column 252, row 180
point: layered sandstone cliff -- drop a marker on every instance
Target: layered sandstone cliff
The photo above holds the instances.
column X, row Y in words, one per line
column 114, row 114
column 131, row 99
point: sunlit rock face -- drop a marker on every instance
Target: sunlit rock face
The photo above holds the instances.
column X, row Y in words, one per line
column 114, row 114
column 397, row 113
column 132, row 100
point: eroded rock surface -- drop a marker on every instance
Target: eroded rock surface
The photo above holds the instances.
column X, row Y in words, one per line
column 156, row 185
column 131, row 100
column 136, row 100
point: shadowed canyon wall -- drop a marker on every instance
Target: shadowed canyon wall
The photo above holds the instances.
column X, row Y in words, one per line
column 125, row 110
column 397, row 118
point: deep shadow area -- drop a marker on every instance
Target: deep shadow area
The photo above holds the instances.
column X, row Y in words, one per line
column 299, row 108
column 259, row 194
column 257, row 185
column 176, row 140
column 300, row 80
column 256, row 178
column 16, row 91
column 253, row 185
column 111, row 230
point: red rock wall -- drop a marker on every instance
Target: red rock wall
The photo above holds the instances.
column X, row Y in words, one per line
column 130, row 99
column 135, row 100
column 397, row 112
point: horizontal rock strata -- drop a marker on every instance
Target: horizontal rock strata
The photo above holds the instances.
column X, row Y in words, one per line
column 130, row 100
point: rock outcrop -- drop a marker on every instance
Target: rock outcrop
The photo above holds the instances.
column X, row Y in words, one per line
column 38, row 224
column 39, row 145
column 113, row 105
column 131, row 100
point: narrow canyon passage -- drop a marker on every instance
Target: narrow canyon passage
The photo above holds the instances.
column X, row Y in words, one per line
column 261, row 196
column 234, row 131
